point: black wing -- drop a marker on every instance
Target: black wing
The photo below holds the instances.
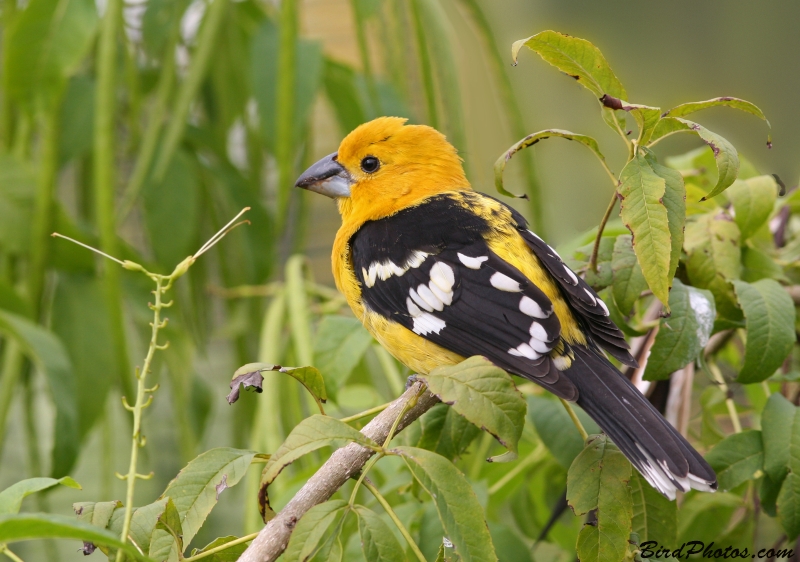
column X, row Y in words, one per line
column 429, row 269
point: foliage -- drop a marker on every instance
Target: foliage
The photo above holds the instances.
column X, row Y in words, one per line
column 702, row 265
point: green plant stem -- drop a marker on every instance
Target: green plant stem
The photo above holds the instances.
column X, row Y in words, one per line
column 514, row 116
column 206, row 43
column 574, row 418
column 6, row 115
column 393, row 516
column 43, row 209
column 363, row 50
column 765, row 386
column 371, row 462
column 104, row 180
column 220, row 548
column 141, row 404
column 365, row 413
column 534, row 457
column 716, row 374
column 425, row 66
column 12, row 369
column 147, row 150
column 7, row 551
column 600, row 229
column 285, row 108
column 479, row 460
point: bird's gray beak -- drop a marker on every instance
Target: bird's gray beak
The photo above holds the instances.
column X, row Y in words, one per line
column 327, row 177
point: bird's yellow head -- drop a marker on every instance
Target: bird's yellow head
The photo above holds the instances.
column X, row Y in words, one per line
column 384, row 166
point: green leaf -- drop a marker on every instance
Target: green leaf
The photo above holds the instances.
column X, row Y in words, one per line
column 655, row 518
column 789, row 506
column 753, row 201
column 11, row 498
column 309, row 435
column 484, row 394
column 530, row 140
column 377, row 540
column 780, row 426
column 683, row 335
column 46, row 44
column 17, row 189
column 339, row 345
column 446, row 432
column 556, row 430
column 598, row 479
column 737, row 458
column 30, row 526
column 758, row 265
column 194, row 489
column 314, row 529
column 459, row 511
column 768, row 495
column 725, row 155
column 309, row 377
column 769, row 314
column 643, row 212
column 646, row 117
column 170, row 523
column 143, row 531
column 629, row 282
column 89, row 343
column 576, row 57
column 675, row 201
column 177, row 194
column 685, row 109
column 705, row 517
column 712, row 244
column 96, row 513
column 231, row 554
column 48, row 353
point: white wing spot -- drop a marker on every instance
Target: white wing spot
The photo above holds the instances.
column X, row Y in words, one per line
column 504, row 283
column 549, row 247
column 524, row 350
column 427, row 295
column 562, row 362
column 472, row 263
column 538, row 331
column 418, row 300
column 442, row 275
column 591, row 296
column 603, row 306
column 539, row 346
column 530, row 307
column 426, row 323
column 571, row 275
column 385, row 269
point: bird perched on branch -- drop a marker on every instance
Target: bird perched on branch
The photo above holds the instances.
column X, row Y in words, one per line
column 438, row 272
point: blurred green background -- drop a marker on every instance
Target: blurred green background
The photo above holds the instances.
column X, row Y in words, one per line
column 145, row 132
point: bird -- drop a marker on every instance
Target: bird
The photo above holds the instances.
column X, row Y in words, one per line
column 438, row 272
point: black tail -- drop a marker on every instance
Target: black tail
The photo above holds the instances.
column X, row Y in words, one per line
column 666, row 460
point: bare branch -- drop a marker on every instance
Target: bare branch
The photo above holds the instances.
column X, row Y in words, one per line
column 344, row 463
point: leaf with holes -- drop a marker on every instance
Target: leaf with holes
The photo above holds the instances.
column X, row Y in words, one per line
column 598, row 479
column 378, row 541
column 683, row 335
column 769, row 314
column 643, row 212
column 484, row 394
column 309, row 435
column 530, row 140
column 737, row 458
column 249, row 376
column 459, row 510
column 655, row 518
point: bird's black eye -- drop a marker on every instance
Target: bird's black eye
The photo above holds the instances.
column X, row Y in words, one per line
column 370, row 164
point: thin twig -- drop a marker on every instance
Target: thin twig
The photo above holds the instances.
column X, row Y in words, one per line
column 365, row 413
column 222, row 232
column 220, row 548
column 575, row 420
column 399, row 524
column 717, row 376
column 345, row 462
column 95, row 250
column 596, row 247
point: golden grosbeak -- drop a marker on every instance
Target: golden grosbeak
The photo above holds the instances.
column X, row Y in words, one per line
column 438, row 272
